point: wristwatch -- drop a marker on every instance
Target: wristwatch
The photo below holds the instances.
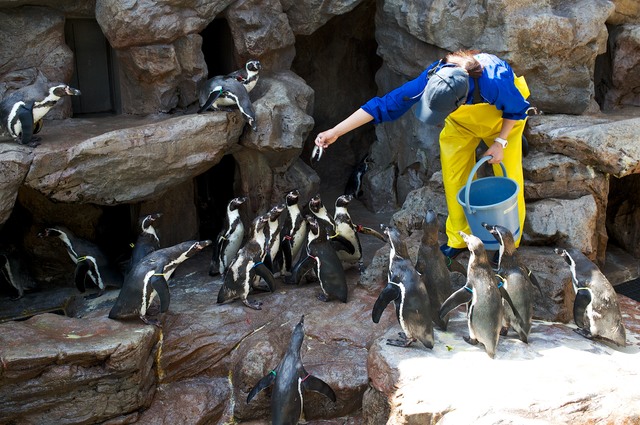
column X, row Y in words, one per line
column 502, row 141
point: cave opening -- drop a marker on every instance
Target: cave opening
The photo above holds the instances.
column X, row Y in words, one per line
column 218, row 48
column 95, row 69
column 214, row 189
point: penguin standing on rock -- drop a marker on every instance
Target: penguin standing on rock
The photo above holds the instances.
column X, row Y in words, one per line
column 239, row 278
column 22, row 111
column 149, row 278
column 322, row 258
column 595, row 310
column 517, row 280
column 325, row 220
column 148, row 240
column 91, row 263
column 347, row 230
column 272, row 238
column 230, row 238
column 433, row 269
column 223, row 92
column 294, row 232
column 289, row 379
column 482, row 296
column 406, row 290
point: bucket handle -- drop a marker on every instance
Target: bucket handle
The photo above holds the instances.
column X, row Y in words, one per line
column 470, row 179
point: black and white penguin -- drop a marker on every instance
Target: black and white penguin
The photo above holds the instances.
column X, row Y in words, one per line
column 596, row 311
column 239, row 278
column 22, row 111
column 89, row 259
column 147, row 241
column 293, row 234
column 272, row 238
column 229, row 239
column 221, row 93
column 289, row 380
column 248, row 75
column 482, row 296
column 15, row 271
column 325, row 220
column 405, row 288
column 149, row 278
column 517, row 280
column 432, row 266
column 354, row 183
column 323, row 259
column 345, row 228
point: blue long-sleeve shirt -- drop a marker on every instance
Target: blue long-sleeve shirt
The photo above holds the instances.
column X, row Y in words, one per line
column 497, row 87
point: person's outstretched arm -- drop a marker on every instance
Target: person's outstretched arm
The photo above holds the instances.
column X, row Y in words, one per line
column 355, row 120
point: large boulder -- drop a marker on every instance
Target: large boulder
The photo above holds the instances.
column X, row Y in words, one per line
column 61, row 370
column 543, row 382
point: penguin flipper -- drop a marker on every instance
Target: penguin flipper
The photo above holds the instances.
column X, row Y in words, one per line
column 160, row 285
column 82, row 268
column 389, row 293
column 369, row 231
column 285, row 250
column 582, row 301
column 244, row 105
column 301, row 268
column 215, row 94
column 461, row 296
column 261, row 385
column 340, row 243
column 312, row 383
column 532, row 278
column 505, row 295
column 25, row 116
column 263, row 271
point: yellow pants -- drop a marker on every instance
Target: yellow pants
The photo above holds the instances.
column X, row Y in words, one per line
column 463, row 130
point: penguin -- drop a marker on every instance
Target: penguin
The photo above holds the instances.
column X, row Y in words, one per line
column 354, row 183
column 148, row 240
column 596, row 311
column 405, row 288
column 89, row 260
column 219, row 92
column 293, row 234
column 345, row 228
column 289, row 379
column 248, row 75
column 22, row 111
column 323, row 259
column 325, row 219
column 482, row 296
column 229, row 239
column 149, row 278
column 272, row 238
column 239, row 278
column 432, row 267
column 15, row 272
column 517, row 280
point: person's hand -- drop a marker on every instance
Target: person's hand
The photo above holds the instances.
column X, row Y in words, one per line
column 496, row 151
column 326, row 138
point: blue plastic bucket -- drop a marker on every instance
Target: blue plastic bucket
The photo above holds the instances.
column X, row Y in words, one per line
column 491, row 200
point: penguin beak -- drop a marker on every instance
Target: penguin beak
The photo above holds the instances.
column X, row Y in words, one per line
column 71, row 91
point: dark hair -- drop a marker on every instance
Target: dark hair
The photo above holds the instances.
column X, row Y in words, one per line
column 465, row 59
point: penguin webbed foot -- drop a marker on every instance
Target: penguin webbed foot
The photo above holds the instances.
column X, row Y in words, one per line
column 95, row 295
column 469, row 340
column 504, row 331
column 583, row 332
column 403, row 341
column 361, row 267
column 323, row 297
column 35, row 141
column 154, row 322
column 255, row 305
